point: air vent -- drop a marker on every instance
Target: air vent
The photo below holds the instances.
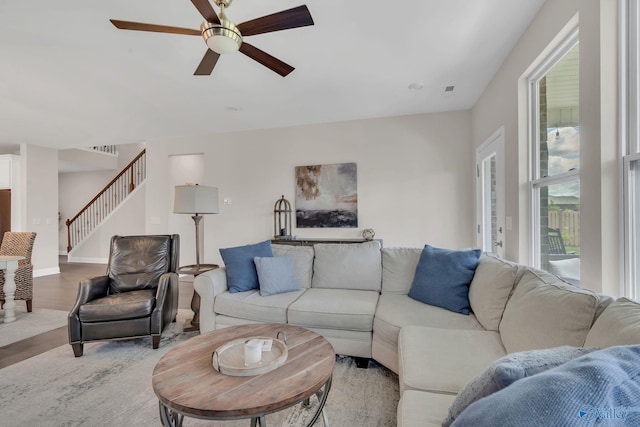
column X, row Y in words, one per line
column 448, row 91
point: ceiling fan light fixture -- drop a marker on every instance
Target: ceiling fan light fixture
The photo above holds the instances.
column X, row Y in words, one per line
column 221, row 38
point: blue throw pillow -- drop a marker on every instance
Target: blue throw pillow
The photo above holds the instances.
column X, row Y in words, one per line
column 276, row 275
column 241, row 270
column 509, row 369
column 601, row 388
column 443, row 277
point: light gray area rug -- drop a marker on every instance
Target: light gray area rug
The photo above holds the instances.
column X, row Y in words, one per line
column 111, row 385
column 29, row 324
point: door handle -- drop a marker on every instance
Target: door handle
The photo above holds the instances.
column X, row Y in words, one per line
column 498, row 243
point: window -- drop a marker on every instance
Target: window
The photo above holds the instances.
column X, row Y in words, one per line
column 555, row 157
column 630, row 94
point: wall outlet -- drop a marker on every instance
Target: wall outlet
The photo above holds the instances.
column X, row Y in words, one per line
column 228, row 201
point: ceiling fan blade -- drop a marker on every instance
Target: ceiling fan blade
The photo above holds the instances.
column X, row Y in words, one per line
column 291, row 18
column 206, row 10
column 265, row 59
column 208, row 62
column 138, row 26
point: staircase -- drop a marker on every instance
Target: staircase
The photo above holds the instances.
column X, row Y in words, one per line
column 106, row 201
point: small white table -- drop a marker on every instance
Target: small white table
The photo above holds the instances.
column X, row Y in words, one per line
column 10, row 265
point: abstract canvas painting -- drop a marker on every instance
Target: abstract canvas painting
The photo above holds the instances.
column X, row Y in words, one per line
column 327, row 196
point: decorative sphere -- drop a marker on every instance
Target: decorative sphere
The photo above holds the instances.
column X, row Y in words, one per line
column 368, row 233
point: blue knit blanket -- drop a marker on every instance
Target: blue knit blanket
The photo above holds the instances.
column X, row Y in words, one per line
column 601, row 388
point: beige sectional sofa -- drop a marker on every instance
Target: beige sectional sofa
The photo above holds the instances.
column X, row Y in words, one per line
column 356, row 295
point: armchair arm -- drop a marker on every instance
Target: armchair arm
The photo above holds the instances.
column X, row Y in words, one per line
column 166, row 307
column 208, row 285
column 88, row 290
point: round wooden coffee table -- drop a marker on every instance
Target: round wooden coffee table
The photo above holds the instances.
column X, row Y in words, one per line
column 187, row 384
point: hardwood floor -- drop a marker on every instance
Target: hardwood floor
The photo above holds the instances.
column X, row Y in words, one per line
column 58, row 292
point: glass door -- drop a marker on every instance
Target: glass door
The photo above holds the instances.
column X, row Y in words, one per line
column 490, row 194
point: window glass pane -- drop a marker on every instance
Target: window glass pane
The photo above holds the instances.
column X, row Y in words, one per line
column 559, row 113
column 633, row 258
column 490, row 216
column 560, row 229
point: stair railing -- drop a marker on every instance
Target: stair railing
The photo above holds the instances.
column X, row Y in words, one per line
column 94, row 212
column 108, row 149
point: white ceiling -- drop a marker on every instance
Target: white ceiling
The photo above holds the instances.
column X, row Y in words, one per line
column 68, row 78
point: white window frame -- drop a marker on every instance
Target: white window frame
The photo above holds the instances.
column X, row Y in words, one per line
column 630, row 141
column 535, row 180
column 631, row 246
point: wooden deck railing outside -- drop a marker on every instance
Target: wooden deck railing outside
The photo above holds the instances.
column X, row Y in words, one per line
column 89, row 217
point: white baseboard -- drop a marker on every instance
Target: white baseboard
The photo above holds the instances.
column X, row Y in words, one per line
column 61, row 252
column 87, row 260
column 46, row 271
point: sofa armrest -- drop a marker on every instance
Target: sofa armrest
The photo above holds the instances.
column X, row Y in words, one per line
column 208, row 285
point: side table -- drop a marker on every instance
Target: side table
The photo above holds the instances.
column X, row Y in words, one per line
column 195, row 270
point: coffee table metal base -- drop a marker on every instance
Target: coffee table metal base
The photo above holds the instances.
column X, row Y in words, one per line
column 173, row 418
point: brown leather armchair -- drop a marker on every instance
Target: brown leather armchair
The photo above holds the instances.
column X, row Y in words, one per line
column 137, row 297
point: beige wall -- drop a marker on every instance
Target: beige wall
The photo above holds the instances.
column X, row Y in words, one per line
column 40, row 173
column 504, row 103
column 414, row 180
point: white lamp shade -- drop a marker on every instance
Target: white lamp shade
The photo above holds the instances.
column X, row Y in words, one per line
column 195, row 199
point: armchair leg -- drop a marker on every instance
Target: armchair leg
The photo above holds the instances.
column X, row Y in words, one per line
column 29, row 306
column 156, row 341
column 78, row 349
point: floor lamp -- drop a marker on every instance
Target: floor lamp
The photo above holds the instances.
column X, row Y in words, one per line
column 196, row 200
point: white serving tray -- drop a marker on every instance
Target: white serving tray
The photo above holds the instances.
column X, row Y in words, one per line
column 228, row 359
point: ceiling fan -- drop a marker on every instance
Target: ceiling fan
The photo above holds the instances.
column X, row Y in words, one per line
column 223, row 36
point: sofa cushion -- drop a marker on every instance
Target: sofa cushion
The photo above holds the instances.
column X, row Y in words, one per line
column 618, row 324
column 251, row 306
column 490, row 289
column 599, row 388
column 241, row 270
column 276, row 275
column 398, row 269
column 302, row 261
column 422, row 409
column 396, row 311
column 347, row 266
column 444, row 360
column 443, row 277
column 334, row 309
column 122, row 306
column 546, row 312
column 508, row 369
